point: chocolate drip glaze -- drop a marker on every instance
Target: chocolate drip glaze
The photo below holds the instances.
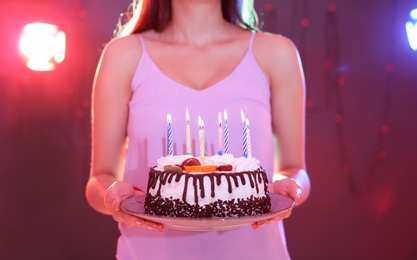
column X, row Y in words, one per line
column 202, row 193
column 212, row 185
column 255, row 177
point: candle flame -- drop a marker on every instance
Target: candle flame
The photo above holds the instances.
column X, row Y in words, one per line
column 225, row 115
column 247, row 122
column 169, row 118
column 242, row 115
column 187, row 115
column 220, row 119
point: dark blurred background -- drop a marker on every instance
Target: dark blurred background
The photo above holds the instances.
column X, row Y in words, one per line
column 361, row 130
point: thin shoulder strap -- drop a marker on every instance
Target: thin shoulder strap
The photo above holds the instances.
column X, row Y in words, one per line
column 252, row 38
column 142, row 41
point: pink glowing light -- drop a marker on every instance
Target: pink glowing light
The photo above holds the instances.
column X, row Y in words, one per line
column 43, row 46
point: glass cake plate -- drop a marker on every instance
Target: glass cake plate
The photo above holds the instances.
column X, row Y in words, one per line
column 135, row 206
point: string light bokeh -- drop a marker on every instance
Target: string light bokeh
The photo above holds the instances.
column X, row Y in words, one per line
column 335, row 80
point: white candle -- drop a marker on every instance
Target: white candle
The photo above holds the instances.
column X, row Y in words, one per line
column 245, row 135
column 201, row 136
column 220, row 136
column 204, row 138
column 187, row 131
column 248, row 139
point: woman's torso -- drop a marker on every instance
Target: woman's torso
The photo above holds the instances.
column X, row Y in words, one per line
column 154, row 95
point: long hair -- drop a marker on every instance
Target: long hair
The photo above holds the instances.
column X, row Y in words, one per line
column 155, row 15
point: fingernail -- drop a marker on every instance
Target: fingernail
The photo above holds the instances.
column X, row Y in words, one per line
column 160, row 228
column 115, row 206
column 150, row 226
column 139, row 222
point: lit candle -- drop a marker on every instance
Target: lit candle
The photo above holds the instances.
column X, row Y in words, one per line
column 204, row 139
column 201, row 136
column 187, row 131
column 226, row 133
column 220, row 135
column 169, row 136
column 248, row 139
column 245, row 135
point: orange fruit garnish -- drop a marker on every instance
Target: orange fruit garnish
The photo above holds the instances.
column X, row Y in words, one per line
column 201, row 168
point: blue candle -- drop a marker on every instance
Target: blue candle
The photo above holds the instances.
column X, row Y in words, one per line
column 248, row 141
column 169, row 136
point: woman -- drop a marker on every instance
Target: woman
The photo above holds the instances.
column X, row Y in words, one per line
column 205, row 56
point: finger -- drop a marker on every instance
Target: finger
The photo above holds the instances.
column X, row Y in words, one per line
column 130, row 220
column 258, row 224
column 112, row 202
column 298, row 196
column 109, row 199
column 282, row 216
column 295, row 193
column 152, row 225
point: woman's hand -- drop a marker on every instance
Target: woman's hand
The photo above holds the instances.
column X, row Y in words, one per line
column 287, row 187
column 115, row 194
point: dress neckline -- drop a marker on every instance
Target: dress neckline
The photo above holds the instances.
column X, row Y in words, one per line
column 177, row 83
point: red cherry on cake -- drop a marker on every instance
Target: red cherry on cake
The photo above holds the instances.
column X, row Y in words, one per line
column 225, row 168
column 190, row 162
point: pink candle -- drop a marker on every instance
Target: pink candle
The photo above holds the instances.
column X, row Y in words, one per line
column 226, row 133
column 220, row 136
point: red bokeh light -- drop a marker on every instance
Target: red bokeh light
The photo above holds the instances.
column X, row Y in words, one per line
column 331, row 8
column 341, row 80
column 338, row 119
column 269, row 8
column 305, row 22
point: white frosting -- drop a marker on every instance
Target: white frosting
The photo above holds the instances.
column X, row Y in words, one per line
column 174, row 190
column 239, row 164
column 171, row 160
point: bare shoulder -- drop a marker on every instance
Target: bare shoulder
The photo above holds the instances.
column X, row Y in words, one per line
column 124, row 50
column 121, row 43
column 118, row 64
column 267, row 44
column 275, row 54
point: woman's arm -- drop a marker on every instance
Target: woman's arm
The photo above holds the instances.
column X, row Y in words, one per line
column 105, row 189
column 111, row 94
column 280, row 61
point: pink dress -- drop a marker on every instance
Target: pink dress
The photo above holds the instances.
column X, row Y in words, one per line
column 154, row 96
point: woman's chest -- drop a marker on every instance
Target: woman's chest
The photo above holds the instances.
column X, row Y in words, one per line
column 198, row 68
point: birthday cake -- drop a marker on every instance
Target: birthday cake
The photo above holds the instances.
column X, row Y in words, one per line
column 217, row 186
